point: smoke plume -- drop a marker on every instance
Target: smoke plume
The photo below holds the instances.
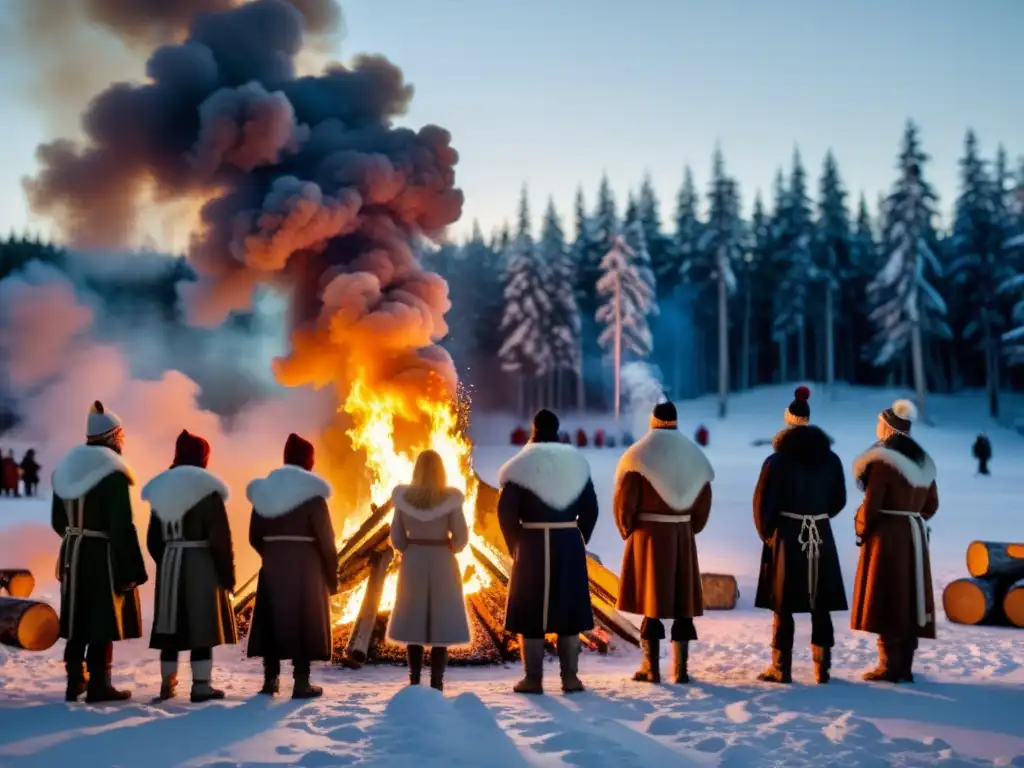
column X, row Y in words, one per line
column 55, row 368
column 307, row 187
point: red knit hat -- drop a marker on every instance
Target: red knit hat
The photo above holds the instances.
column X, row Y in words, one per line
column 191, row 450
column 299, row 452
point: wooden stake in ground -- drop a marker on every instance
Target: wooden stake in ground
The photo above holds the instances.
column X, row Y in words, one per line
column 1013, row 604
column 363, row 630
column 973, row 601
column 995, row 558
column 17, row 582
column 28, row 624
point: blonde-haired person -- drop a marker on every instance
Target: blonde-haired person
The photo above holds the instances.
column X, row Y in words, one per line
column 428, row 529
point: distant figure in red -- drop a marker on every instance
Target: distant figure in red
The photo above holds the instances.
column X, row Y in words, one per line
column 701, row 436
column 581, row 438
column 519, row 436
column 30, row 472
column 11, row 474
column 599, row 439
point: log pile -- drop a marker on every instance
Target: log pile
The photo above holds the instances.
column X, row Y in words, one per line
column 994, row 592
column 367, row 559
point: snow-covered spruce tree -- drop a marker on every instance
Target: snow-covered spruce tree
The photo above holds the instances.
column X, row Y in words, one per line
column 907, row 307
column 780, row 334
column 854, row 290
column 753, row 273
column 482, row 279
column 564, row 324
column 794, row 236
column 684, row 243
column 832, row 245
column 636, row 239
column 1012, row 287
column 628, row 300
column 657, row 244
column 585, row 279
column 979, row 267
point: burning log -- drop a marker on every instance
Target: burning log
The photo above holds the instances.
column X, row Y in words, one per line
column 17, row 582
column 995, row 559
column 973, row 601
column 1013, row 604
column 28, row 624
column 366, row 623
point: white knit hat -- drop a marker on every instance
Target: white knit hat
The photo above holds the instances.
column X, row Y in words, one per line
column 101, row 424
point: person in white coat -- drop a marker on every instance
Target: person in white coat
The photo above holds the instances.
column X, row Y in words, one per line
column 428, row 529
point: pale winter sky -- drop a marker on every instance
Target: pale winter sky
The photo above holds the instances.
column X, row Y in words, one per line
column 554, row 92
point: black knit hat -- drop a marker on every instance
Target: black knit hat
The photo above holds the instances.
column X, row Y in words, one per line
column 799, row 411
column 545, row 427
column 664, row 416
column 900, row 416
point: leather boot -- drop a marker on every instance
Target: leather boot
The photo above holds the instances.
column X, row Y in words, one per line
column 415, row 654
column 271, row 678
column 533, row 666
column 907, row 662
column 888, row 669
column 569, row 663
column 438, row 664
column 302, row 688
column 681, row 661
column 77, row 680
column 650, row 667
column 201, row 688
column 822, row 663
column 781, row 668
column 168, row 680
column 99, row 689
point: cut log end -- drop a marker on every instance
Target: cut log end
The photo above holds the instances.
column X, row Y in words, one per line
column 964, row 602
column 1013, row 604
column 995, row 558
column 27, row 624
column 17, row 582
column 977, row 558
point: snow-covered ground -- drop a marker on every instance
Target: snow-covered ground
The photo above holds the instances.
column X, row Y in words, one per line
column 966, row 709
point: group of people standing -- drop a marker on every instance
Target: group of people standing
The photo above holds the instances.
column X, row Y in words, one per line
column 547, row 511
column 101, row 565
column 14, row 475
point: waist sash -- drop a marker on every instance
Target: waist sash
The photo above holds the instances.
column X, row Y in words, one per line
column 547, row 528
column 919, row 536
column 657, row 517
column 71, row 546
column 429, row 542
column 810, row 544
column 304, row 539
column 166, row 620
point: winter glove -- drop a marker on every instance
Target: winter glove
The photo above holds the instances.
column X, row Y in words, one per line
column 860, row 542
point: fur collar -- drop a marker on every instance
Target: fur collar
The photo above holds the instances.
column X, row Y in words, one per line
column 453, row 499
column 919, row 475
column 674, row 465
column 284, row 489
column 555, row 473
column 174, row 492
column 84, row 467
column 805, row 443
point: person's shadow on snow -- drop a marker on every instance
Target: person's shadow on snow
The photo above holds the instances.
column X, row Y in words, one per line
column 162, row 740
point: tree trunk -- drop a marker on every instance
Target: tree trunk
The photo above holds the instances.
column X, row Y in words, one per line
column 830, row 341
column 521, row 404
column 783, row 342
column 745, row 353
column 991, row 370
column 801, row 340
column 723, row 346
column 917, row 353
column 618, row 351
column 581, row 390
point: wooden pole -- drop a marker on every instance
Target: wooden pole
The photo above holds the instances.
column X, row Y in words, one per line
column 358, row 646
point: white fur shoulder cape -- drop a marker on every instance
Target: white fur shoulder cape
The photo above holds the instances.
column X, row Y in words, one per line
column 84, row 467
column 917, row 475
column 453, row 500
column 674, row 465
column 284, row 489
column 555, row 473
column 175, row 491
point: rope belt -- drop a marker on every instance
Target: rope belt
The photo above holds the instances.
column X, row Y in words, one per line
column 166, row 620
column 547, row 528
column 810, row 544
column 657, row 517
column 71, row 546
column 919, row 536
column 430, row 542
column 306, row 539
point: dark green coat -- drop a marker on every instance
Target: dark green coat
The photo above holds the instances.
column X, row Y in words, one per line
column 99, row 572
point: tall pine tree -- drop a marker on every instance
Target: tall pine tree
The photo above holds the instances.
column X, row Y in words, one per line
column 565, row 317
column 832, row 254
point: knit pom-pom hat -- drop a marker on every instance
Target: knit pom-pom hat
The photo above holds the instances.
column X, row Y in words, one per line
column 102, row 425
column 798, row 414
column 299, row 452
column 664, row 416
column 899, row 418
column 191, row 450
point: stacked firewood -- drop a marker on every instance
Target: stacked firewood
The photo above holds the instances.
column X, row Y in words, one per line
column 994, row 592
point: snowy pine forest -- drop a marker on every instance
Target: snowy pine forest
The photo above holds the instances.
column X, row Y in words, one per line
column 817, row 283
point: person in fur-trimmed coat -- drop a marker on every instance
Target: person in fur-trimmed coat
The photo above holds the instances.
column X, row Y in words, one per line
column 290, row 528
column 801, row 488
column 189, row 538
column 547, row 509
column 662, row 501
column 100, row 566
column 428, row 529
column 892, row 594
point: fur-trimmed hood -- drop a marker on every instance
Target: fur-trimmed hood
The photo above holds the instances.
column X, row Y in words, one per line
column 902, row 454
column 284, row 489
column 453, row 499
column 674, row 465
column 807, row 444
column 554, row 472
column 175, row 491
column 84, row 467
